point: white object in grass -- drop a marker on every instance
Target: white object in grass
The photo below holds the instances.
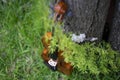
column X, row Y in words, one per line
column 93, row 39
column 52, row 63
column 80, row 38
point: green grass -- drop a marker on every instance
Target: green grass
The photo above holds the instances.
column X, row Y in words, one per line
column 22, row 23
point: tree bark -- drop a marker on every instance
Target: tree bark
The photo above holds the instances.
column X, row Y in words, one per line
column 88, row 17
column 114, row 36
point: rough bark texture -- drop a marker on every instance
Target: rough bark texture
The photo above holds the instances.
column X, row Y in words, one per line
column 88, row 17
column 114, row 37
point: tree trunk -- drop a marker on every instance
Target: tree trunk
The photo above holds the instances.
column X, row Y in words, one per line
column 88, row 17
column 114, row 37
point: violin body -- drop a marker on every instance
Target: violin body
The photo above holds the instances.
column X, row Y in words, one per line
column 61, row 66
column 46, row 39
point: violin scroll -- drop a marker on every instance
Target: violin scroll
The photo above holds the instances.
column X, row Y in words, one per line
column 60, row 9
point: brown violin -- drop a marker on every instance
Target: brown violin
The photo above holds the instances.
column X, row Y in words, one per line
column 54, row 61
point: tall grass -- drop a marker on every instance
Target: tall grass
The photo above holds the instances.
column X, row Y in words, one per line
column 22, row 23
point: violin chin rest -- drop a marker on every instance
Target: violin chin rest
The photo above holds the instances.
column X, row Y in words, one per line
column 50, row 67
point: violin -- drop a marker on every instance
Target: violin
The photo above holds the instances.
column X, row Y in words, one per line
column 55, row 61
